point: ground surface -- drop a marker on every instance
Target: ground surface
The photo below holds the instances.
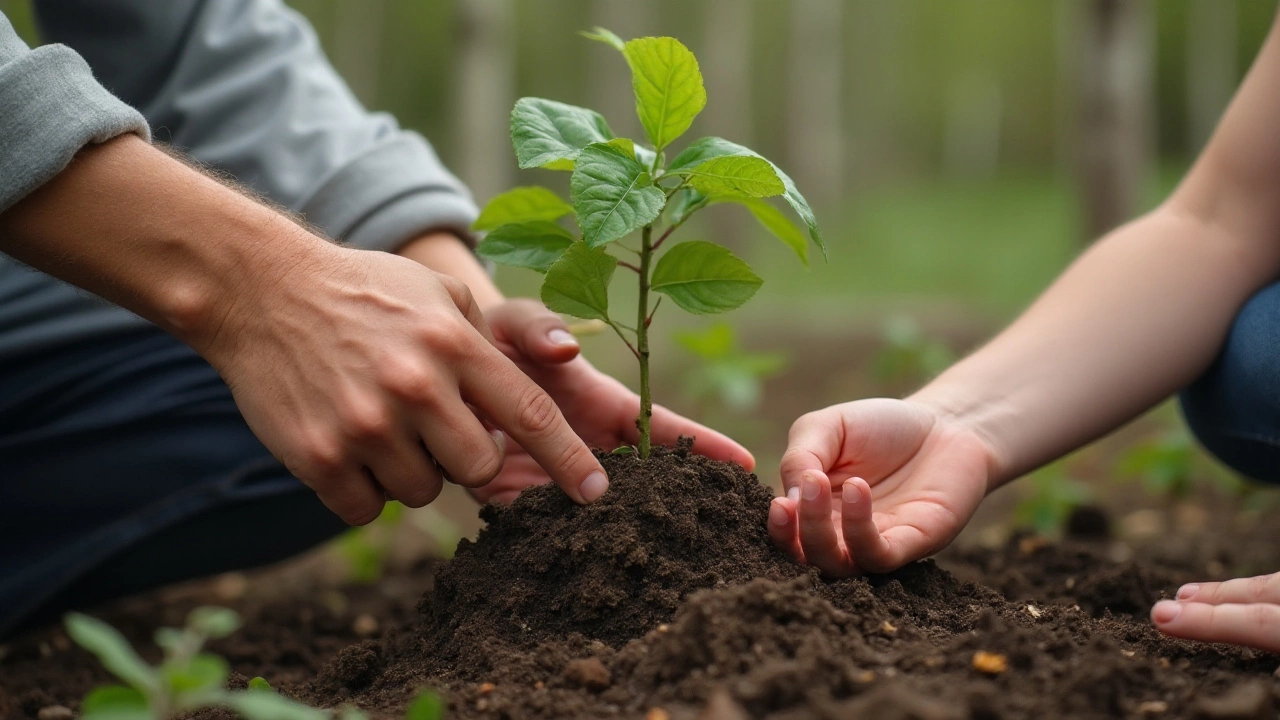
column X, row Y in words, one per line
column 668, row 595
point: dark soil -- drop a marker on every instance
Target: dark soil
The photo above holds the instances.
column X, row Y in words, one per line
column 667, row 600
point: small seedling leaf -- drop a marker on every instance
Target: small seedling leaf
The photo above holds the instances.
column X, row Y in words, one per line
column 624, row 450
column 745, row 176
column 708, row 148
column 704, row 278
column 427, row 706
column 776, row 223
column 260, row 684
column 549, row 134
column 522, row 205
column 607, row 37
column 613, row 194
column 115, row 702
column 112, row 650
column 203, row 672
column 169, row 639
column 668, row 87
column 578, row 283
column 270, row 706
column 533, row 245
column 214, row 622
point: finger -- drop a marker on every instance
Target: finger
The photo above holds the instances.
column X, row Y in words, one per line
column 352, row 496
column 818, row 536
column 1256, row 624
column 466, row 304
column 1260, row 589
column 867, row 548
column 530, row 417
column 469, row 453
column 668, row 427
column 405, row 472
column 783, row 528
column 813, row 445
column 536, row 332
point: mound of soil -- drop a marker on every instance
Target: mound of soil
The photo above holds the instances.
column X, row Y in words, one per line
column 665, row 600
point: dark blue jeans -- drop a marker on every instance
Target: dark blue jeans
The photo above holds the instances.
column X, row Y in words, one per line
column 1234, row 409
column 124, row 465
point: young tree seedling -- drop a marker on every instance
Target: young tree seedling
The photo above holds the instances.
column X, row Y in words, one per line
column 620, row 188
column 189, row 679
column 732, row 376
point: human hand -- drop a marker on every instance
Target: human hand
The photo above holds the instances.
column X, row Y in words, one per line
column 352, row 365
column 1245, row 611
column 599, row 408
column 908, row 478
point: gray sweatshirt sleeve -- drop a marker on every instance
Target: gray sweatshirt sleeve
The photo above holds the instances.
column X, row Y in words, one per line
column 50, row 107
column 243, row 86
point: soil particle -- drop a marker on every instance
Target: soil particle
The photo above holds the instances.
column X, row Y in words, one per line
column 587, row 673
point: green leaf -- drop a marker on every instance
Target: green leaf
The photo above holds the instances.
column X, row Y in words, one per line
column 260, row 684
column 643, row 155
column 668, row 87
column 708, row 148
column 534, row 245
column 170, row 639
column 269, row 706
column 203, row 672
column 521, row 205
column 713, row 343
column 775, row 222
column 613, row 194
column 578, row 283
column 607, row 37
column 740, row 175
column 548, row 134
column 115, row 702
column 427, row 706
column 685, row 203
column 623, row 450
column 112, row 650
column 214, row 622
column 704, row 278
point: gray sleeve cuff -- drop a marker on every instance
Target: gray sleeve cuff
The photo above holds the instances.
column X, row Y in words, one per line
column 391, row 194
column 50, row 107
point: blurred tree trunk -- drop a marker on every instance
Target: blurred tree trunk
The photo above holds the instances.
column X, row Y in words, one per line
column 1116, row 88
column 815, row 152
column 609, row 81
column 357, row 46
column 726, row 67
column 485, row 94
column 1211, row 65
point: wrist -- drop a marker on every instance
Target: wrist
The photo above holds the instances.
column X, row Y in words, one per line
column 961, row 410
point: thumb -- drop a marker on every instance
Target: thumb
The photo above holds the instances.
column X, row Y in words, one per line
column 538, row 333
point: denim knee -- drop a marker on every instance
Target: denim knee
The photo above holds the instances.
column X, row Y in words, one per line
column 1234, row 408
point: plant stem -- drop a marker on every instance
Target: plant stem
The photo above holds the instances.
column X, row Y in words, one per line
column 642, row 342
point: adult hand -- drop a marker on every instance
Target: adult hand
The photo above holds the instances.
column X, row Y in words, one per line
column 907, row 478
column 601, row 409
column 353, row 370
column 1245, row 611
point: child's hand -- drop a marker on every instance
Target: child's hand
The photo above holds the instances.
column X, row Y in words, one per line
column 905, row 477
column 599, row 408
column 1242, row 612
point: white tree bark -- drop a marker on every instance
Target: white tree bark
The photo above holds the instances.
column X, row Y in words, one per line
column 1211, row 65
column 1115, row 66
column 485, row 94
column 815, row 135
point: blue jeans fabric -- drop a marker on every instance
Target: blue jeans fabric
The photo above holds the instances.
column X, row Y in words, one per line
column 124, row 464
column 1234, row 409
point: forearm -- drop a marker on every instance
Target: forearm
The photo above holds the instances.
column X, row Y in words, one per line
column 1137, row 317
column 141, row 229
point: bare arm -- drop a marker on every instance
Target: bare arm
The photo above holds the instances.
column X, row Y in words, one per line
column 1144, row 311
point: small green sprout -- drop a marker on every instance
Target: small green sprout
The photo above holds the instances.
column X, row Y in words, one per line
column 1170, row 465
column 366, row 549
column 731, row 375
column 620, row 187
column 427, row 706
column 1052, row 498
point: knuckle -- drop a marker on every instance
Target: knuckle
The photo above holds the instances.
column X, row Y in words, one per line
column 362, row 513
column 421, row 493
column 536, row 413
column 367, row 423
column 485, row 468
column 321, row 457
column 414, row 384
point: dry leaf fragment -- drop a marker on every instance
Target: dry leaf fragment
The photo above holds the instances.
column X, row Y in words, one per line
column 1127, row 653
column 1034, row 611
column 888, row 628
column 1153, row 707
column 989, row 662
column 486, row 688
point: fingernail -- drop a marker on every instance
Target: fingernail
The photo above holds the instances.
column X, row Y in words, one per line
column 794, row 494
column 809, row 487
column 563, row 338
column 850, row 492
column 594, row 486
column 1166, row 611
column 777, row 515
column 499, row 439
column 1188, row 591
